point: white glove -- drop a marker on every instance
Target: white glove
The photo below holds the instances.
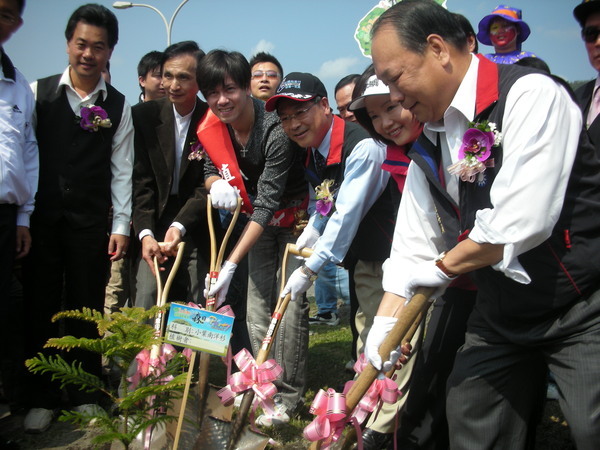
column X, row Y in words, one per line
column 297, row 285
column 221, row 286
column 382, row 325
column 308, row 238
column 223, row 195
column 427, row 274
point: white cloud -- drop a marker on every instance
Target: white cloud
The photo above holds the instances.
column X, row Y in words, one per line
column 263, row 46
column 337, row 68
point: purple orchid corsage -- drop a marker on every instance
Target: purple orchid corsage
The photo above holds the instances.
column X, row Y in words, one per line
column 93, row 117
column 324, row 197
column 197, row 152
column 475, row 151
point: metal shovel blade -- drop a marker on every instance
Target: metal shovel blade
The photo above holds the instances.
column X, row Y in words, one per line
column 191, row 432
column 215, row 436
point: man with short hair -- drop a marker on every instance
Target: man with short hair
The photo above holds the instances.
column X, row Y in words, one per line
column 343, row 96
column 266, row 75
column 85, row 138
column 503, row 155
column 150, row 76
column 247, row 150
column 168, row 191
column 363, row 208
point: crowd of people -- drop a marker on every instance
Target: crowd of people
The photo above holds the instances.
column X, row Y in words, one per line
column 476, row 176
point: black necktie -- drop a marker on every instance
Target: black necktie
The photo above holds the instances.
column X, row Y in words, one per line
column 320, row 163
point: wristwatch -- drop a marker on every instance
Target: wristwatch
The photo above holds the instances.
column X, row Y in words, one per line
column 439, row 262
column 312, row 276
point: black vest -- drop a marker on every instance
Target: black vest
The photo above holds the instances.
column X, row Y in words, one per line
column 374, row 236
column 563, row 269
column 75, row 173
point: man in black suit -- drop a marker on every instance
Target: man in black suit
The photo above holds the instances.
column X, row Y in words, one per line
column 169, row 200
column 85, row 168
column 587, row 14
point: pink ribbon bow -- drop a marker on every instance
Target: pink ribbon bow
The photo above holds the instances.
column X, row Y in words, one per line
column 259, row 378
column 148, row 365
column 382, row 390
column 330, row 408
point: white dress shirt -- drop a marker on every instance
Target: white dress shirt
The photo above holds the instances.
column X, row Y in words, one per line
column 364, row 181
column 541, row 127
column 19, row 162
column 121, row 160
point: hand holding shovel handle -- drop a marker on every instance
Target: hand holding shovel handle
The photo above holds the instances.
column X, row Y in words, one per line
column 410, row 313
column 267, row 343
column 215, row 264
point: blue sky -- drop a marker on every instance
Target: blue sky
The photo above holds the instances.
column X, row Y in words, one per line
column 306, row 35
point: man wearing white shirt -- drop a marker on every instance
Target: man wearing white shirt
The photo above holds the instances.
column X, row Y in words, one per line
column 168, row 190
column 18, row 185
column 85, row 138
column 528, row 234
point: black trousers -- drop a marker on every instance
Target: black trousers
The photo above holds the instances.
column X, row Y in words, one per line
column 423, row 423
column 66, row 269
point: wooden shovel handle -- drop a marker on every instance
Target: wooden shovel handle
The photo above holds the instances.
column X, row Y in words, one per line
column 409, row 315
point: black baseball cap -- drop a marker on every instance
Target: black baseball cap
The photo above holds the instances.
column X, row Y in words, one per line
column 298, row 86
column 584, row 9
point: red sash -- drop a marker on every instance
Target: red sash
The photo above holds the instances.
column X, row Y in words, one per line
column 487, row 84
column 214, row 137
column 396, row 162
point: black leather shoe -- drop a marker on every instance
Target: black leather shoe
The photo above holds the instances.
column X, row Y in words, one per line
column 374, row 440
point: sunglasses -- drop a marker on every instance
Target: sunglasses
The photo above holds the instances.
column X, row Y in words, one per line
column 268, row 73
column 590, row 34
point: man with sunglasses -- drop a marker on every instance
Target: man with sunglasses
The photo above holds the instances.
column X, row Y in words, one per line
column 587, row 14
column 266, row 75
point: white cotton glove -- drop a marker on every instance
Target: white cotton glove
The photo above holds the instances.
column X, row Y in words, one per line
column 297, row 285
column 427, row 274
column 223, row 195
column 308, row 238
column 221, row 286
column 382, row 325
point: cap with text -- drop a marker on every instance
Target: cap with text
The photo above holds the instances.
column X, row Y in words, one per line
column 298, row 86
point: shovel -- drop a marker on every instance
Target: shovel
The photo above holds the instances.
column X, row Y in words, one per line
column 161, row 300
column 215, row 264
column 351, row 436
column 411, row 312
column 237, row 427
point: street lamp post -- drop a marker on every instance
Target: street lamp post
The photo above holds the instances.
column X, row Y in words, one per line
column 168, row 25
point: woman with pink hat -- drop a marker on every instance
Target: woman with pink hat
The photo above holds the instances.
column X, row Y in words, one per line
column 505, row 30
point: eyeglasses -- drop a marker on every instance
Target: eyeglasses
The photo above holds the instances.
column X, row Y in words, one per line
column 299, row 115
column 7, row 18
column 590, row 34
column 268, row 73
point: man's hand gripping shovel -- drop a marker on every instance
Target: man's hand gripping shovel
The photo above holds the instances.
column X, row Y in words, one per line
column 400, row 333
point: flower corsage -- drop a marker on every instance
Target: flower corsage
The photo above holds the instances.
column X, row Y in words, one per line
column 196, row 151
column 324, row 197
column 93, row 117
column 475, row 151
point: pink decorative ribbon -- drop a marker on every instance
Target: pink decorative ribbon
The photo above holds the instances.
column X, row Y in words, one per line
column 330, row 408
column 259, row 378
column 147, row 365
column 382, row 390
